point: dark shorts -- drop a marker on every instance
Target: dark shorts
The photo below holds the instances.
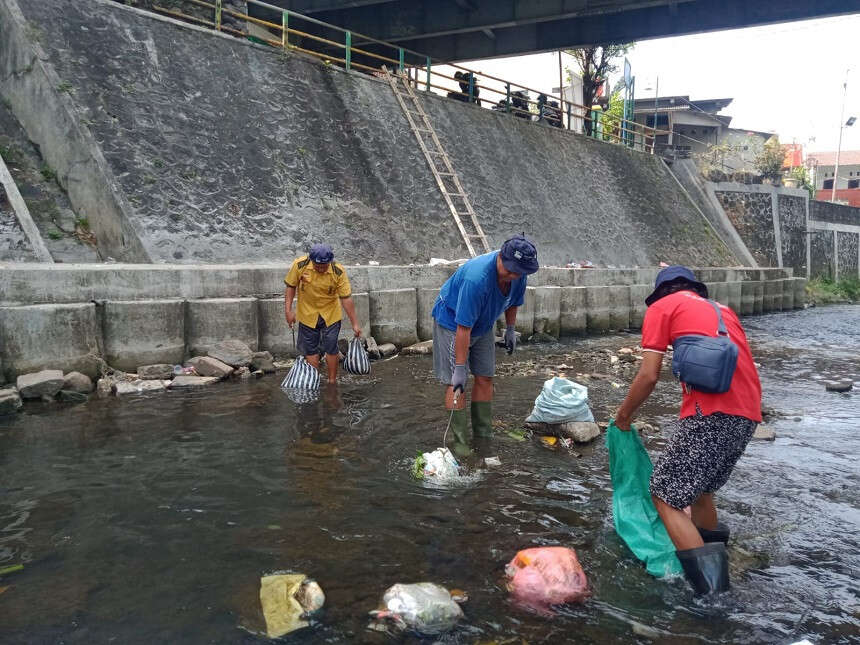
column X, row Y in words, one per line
column 482, row 354
column 313, row 339
column 699, row 457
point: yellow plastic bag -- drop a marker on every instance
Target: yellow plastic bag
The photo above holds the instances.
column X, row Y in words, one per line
column 286, row 600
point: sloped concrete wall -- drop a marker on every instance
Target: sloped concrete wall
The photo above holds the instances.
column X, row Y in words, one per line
column 223, row 151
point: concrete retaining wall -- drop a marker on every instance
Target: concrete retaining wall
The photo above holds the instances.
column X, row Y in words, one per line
column 228, row 302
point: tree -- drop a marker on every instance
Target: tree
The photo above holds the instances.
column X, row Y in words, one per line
column 595, row 64
column 769, row 161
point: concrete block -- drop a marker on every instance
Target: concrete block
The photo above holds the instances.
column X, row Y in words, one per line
column 607, row 308
column 638, row 293
column 213, row 320
column 619, row 313
column 573, row 311
column 426, row 300
column 547, row 317
column 787, row 294
column 394, row 316
column 719, row 291
column 772, row 296
column 143, row 332
column 735, row 296
column 799, row 287
column 362, row 312
column 526, row 314
column 63, row 337
column 275, row 335
column 758, row 304
column 748, row 297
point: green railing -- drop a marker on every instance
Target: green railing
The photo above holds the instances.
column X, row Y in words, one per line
column 351, row 50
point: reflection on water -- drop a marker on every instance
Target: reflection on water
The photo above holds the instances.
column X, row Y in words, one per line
column 152, row 520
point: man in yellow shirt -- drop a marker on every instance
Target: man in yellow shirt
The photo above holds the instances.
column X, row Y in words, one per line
column 322, row 287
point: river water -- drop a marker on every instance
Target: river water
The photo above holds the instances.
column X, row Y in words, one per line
column 151, row 520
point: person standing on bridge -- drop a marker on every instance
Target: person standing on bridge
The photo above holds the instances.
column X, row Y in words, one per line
column 465, row 315
column 322, row 286
column 714, row 429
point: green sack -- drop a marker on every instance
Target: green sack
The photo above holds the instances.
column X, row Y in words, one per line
column 636, row 519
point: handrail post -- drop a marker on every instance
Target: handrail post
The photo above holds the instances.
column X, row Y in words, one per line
column 568, row 116
column 400, row 64
column 348, row 50
column 429, row 63
column 218, row 15
column 471, row 87
column 508, row 98
column 285, row 29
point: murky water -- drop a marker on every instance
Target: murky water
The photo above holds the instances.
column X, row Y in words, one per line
column 152, row 520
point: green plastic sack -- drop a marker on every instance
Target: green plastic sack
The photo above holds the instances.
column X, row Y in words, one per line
column 636, row 519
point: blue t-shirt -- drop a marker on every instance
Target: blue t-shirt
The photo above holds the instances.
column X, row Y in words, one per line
column 472, row 298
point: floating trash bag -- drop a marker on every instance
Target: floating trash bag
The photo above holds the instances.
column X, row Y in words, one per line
column 287, row 599
column 302, row 376
column 357, row 361
column 560, row 401
column 439, row 465
column 546, row 575
column 636, row 519
column 423, row 607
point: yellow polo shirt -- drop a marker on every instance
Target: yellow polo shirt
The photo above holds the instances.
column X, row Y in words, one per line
column 318, row 293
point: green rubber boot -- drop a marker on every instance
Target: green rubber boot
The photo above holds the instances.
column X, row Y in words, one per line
column 482, row 418
column 460, row 430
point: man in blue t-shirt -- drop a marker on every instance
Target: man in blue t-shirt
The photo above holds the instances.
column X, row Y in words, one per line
column 465, row 315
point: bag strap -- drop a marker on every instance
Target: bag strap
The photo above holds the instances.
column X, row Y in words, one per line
column 721, row 326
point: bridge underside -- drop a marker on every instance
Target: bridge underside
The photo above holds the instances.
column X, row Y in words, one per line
column 456, row 30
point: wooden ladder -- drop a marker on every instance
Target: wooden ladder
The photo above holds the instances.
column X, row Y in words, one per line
column 440, row 165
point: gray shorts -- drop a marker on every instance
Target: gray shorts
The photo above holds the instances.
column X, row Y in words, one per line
column 482, row 354
column 699, row 457
column 313, row 339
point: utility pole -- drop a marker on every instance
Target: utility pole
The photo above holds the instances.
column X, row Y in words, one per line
column 656, row 95
column 839, row 147
column 561, row 92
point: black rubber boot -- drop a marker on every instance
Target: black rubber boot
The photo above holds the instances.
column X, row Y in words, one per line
column 719, row 534
column 482, row 418
column 706, row 567
column 460, row 431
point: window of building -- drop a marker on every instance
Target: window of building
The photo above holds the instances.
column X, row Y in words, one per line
column 854, row 183
column 828, row 183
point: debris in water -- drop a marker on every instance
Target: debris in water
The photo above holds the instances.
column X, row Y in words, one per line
column 287, row 599
column 11, row 569
column 547, row 575
column 492, row 461
column 839, row 386
column 439, row 465
column 423, row 607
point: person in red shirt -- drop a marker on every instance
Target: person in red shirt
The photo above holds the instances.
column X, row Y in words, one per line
column 714, row 428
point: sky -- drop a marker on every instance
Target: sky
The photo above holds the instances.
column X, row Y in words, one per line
column 784, row 78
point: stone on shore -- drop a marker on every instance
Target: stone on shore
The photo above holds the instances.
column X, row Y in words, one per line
column 419, row 349
column 233, row 352
column 263, row 361
column 387, row 349
column 243, row 374
column 372, row 348
column 579, row 431
column 71, row 396
column 10, row 401
column 77, row 382
column 125, row 388
column 104, row 387
column 763, row 433
column 839, row 386
column 39, row 384
column 208, row 366
column 159, row 371
column 184, row 382
column 282, row 366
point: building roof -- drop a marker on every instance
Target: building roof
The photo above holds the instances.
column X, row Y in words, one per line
column 846, row 158
column 672, row 103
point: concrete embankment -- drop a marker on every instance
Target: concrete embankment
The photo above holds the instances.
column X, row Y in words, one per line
column 69, row 316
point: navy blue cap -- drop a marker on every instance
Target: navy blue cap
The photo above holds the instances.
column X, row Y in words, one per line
column 321, row 254
column 671, row 274
column 519, row 255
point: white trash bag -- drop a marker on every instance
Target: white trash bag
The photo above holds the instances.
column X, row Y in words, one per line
column 561, row 401
column 439, row 465
column 302, row 376
column 423, row 607
column 357, row 361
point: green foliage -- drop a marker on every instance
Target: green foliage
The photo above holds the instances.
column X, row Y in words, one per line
column 418, row 466
column 612, row 117
column 65, row 86
column 83, row 223
column 769, row 161
column 54, row 234
column 595, row 64
column 804, row 179
column 11, row 153
column 827, row 290
column 47, row 172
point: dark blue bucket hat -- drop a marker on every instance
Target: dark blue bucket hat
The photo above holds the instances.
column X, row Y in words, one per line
column 672, row 274
column 519, row 255
column 321, row 254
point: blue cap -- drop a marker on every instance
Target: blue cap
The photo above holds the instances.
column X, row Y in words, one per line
column 671, row 274
column 519, row 255
column 321, row 254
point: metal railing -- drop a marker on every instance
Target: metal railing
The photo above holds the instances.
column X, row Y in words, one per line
column 291, row 31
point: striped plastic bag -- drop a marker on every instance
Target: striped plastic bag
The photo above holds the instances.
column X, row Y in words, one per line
column 357, row 361
column 302, row 376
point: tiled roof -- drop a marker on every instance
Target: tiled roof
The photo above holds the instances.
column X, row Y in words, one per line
column 846, row 158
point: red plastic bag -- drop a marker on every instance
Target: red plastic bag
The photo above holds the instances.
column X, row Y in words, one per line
column 547, row 575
